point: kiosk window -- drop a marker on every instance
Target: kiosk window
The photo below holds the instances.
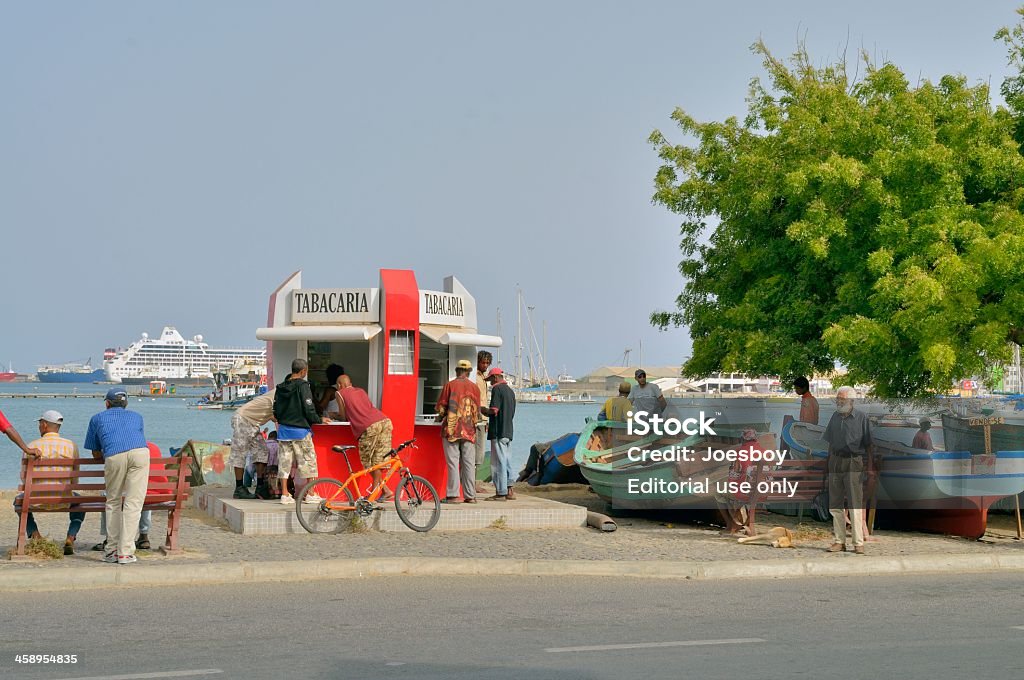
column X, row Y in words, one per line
column 401, row 346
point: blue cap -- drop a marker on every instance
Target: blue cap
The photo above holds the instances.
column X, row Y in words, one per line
column 116, row 394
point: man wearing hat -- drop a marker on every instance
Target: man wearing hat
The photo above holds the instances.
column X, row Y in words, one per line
column 616, row 408
column 458, row 408
column 117, row 437
column 646, row 396
column 501, row 412
column 51, row 445
column 923, row 440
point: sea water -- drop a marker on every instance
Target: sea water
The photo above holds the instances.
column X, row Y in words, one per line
column 170, row 423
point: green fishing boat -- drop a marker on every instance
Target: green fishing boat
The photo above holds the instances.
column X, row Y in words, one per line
column 603, row 455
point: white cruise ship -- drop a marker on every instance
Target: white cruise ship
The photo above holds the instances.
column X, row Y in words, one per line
column 176, row 360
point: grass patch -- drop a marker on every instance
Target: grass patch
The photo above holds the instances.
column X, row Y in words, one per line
column 811, row 532
column 357, row 525
column 45, row 549
column 501, row 523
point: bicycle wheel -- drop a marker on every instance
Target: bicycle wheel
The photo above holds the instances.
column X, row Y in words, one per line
column 322, row 517
column 417, row 503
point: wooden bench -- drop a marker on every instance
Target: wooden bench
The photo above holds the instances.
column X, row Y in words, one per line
column 810, row 477
column 79, row 489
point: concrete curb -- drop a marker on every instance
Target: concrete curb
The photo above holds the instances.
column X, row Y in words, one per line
column 109, row 576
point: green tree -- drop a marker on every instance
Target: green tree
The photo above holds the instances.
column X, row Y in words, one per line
column 866, row 221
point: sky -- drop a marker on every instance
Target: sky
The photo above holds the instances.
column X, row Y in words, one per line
column 172, row 163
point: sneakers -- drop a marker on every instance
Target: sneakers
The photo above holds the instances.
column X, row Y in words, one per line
column 243, row 492
column 287, row 500
column 126, row 559
column 312, row 498
column 100, row 547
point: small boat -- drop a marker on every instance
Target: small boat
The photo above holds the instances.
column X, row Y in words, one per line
column 602, row 456
column 948, row 492
column 209, row 463
column 553, row 462
column 967, row 432
column 233, row 391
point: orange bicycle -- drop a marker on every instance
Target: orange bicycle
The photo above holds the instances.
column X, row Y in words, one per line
column 335, row 504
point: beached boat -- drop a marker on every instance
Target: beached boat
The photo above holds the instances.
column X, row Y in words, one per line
column 553, row 462
column 967, row 432
column 602, row 456
column 209, row 463
column 947, row 492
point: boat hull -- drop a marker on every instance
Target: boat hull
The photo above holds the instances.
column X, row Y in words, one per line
column 99, row 375
column 181, row 382
column 601, row 454
column 7, row 377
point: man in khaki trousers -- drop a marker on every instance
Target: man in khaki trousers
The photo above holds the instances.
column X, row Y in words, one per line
column 117, row 437
column 848, row 434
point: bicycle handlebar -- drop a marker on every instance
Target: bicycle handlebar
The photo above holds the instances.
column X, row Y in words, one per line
column 404, row 445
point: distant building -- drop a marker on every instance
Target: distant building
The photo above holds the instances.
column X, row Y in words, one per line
column 604, row 380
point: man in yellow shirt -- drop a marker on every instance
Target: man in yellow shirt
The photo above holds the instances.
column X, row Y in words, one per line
column 52, row 445
column 616, row 408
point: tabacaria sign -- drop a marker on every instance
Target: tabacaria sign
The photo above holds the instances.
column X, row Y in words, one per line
column 335, row 305
column 442, row 309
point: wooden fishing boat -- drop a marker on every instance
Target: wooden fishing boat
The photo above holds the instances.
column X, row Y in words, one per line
column 602, row 456
column 948, row 492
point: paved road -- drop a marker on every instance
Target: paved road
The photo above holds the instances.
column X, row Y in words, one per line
column 529, row 629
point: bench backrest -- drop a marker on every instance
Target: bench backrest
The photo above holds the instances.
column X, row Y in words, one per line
column 80, row 481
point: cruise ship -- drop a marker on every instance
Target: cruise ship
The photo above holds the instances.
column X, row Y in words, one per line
column 174, row 359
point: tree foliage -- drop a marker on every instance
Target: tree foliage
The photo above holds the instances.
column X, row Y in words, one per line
column 866, row 221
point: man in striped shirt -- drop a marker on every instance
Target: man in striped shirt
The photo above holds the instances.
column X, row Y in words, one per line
column 52, row 445
column 116, row 437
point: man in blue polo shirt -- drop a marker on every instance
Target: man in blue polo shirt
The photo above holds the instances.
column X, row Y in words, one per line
column 116, row 437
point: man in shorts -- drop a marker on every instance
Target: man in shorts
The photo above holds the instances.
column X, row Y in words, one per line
column 246, row 438
column 371, row 428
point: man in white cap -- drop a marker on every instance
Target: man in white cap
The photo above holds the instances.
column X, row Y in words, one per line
column 458, row 408
column 116, row 436
column 52, row 445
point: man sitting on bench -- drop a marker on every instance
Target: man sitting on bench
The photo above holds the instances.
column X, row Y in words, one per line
column 52, row 445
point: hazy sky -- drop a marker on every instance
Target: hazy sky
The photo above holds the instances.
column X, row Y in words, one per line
column 171, row 163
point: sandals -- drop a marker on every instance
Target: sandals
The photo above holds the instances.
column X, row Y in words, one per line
column 451, row 500
column 142, row 545
column 496, row 498
column 469, row 500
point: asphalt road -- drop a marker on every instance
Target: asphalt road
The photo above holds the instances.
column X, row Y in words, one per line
column 929, row 627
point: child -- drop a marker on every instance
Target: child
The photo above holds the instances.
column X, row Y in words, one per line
column 272, row 464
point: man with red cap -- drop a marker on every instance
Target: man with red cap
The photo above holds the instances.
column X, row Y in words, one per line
column 502, row 411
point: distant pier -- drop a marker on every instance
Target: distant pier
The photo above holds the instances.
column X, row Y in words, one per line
column 84, row 395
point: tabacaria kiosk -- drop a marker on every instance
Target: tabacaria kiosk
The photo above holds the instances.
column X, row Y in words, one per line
column 398, row 342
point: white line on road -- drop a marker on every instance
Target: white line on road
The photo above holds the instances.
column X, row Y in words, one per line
column 649, row 645
column 1017, row 627
column 158, row 674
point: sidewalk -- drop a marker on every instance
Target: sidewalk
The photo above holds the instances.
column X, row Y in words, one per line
column 648, row 546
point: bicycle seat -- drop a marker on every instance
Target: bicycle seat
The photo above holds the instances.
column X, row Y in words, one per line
column 341, row 449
